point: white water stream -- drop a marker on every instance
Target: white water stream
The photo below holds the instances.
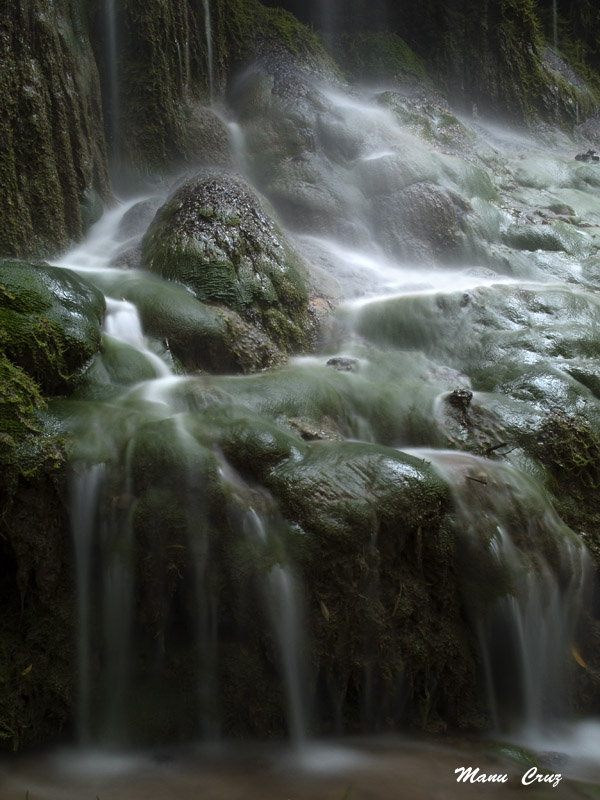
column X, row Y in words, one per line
column 209, row 50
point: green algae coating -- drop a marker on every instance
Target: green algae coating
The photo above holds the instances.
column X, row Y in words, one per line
column 52, row 148
column 374, row 55
column 49, row 322
column 213, row 236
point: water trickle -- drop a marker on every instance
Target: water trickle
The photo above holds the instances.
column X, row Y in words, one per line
column 525, row 580
column 122, row 322
column 113, row 83
column 209, row 50
column 85, row 488
column 281, row 597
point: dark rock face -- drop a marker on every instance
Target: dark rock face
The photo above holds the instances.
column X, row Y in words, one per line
column 420, row 222
column 214, row 236
column 49, row 332
column 51, row 137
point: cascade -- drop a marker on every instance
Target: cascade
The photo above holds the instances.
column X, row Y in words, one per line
column 104, row 506
column 526, row 578
column 187, row 569
column 281, row 597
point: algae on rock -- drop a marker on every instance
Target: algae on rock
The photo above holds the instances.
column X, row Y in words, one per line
column 214, row 236
column 52, row 152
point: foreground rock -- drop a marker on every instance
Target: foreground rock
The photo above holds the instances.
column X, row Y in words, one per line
column 49, row 333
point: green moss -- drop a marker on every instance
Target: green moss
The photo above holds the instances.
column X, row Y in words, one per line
column 570, row 447
column 19, row 400
column 50, row 322
column 51, row 143
column 375, row 55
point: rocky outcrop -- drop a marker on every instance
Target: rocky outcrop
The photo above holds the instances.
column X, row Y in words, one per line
column 52, row 153
column 49, row 333
column 214, row 236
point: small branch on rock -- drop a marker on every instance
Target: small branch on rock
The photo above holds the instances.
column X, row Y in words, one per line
column 477, row 480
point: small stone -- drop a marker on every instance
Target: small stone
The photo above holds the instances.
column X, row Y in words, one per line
column 460, row 398
column 343, row 364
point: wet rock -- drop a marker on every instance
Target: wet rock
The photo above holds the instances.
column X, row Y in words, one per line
column 589, row 155
column 200, row 336
column 420, row 222
column 460, row 398
column 208, row 139
column 343, row 364
column 214, row 236
column 310, row 432
column 49, row 322
column 371, row 519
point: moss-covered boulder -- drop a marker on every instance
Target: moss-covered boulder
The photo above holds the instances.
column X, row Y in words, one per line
column 378, row 559
column 214, row 236
column 200, row 336
column 49, row 333
column 50, row 322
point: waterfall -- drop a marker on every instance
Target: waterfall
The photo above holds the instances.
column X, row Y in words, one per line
column 281, row 598
column 105, row 502
column 209, row 50
column 525, row 582
column 85, row 488
column 195, row 571
column 113, row 82
column 117, row 547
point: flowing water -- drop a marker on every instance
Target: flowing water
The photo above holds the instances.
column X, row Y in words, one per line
column 113, row 81
column 388, row 285
column 209, row 50
column 527, row 594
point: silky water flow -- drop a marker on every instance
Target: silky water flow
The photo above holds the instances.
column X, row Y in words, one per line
column 525, row 583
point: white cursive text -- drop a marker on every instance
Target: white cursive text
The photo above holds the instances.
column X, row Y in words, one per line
column 532, row 775
column 474, row 776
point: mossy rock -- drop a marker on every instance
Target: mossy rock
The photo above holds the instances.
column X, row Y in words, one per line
column 200, row 336
column 214, row 236
column 53, row 158
column 50, row 322
column 374, row 535
column 488, row 327
column 375, row 55
column 556, row 237
column 19, row 399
